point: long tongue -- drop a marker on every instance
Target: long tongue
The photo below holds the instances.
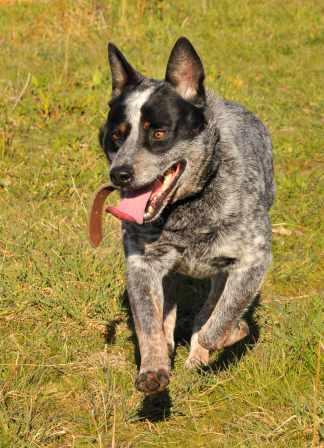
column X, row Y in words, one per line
column 132, row 206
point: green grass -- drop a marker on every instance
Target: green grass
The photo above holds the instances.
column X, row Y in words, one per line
column 61, row 383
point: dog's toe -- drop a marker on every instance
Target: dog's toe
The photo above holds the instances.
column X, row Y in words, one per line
column 151, row 382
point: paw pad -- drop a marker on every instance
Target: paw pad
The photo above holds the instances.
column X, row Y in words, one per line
column 151, row 382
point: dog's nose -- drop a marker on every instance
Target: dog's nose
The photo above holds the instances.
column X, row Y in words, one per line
column 122, row 176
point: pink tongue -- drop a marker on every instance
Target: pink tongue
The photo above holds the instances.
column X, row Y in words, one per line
column 132, row 207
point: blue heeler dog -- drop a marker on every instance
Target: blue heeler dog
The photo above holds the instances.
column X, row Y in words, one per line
column 195, row 176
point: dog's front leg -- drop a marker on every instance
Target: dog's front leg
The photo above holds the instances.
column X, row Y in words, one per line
column 225, row 326
column 145, row 291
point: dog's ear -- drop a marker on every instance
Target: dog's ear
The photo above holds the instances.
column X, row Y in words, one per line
column 186, row 73
column 122, row 73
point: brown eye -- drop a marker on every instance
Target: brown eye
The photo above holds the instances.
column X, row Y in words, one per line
column 146, row 124
column 117, row 135
column 159, row 134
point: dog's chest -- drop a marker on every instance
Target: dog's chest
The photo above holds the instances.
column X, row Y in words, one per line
column 201, row 251
column 202, row 262
column 200, row 254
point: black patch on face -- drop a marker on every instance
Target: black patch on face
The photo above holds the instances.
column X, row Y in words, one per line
column 166, row 110
column 116, row 118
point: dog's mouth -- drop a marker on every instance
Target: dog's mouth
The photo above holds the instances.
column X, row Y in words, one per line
column 146, row 205
column 162, row 191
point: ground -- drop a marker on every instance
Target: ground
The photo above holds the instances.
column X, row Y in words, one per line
column 67, row 362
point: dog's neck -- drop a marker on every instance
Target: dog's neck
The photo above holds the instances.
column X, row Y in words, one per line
column 210, row 137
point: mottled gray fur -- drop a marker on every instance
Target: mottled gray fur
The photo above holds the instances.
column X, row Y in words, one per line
column 217, row 223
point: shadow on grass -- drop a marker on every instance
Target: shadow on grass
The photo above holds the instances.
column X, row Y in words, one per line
column 191, row 295
column 156, row 408
column 111, row 328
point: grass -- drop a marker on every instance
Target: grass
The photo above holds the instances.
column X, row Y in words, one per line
column 67, row 354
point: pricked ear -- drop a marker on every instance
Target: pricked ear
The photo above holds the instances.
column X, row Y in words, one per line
column 122, row 73
column 186, row 73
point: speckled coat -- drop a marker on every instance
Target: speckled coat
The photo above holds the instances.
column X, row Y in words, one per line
column 217, row 222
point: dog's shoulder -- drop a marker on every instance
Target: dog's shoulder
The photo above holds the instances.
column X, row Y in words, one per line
column 245, row 147
column 236, row 124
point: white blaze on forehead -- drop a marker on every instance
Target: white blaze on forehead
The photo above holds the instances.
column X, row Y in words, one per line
column 134, row 104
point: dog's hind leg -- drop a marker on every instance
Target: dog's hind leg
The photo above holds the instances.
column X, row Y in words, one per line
column 224, row 327
column 169, row 322
column 199, row 356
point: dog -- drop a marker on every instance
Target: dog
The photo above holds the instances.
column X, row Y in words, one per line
column 195, row 175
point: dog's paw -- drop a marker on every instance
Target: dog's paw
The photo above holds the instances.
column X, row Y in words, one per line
column 199, row 357
column 227, row 339
column 152, row 381
column 238, row 333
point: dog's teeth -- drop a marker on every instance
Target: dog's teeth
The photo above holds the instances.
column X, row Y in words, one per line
column 161, row 186
column 167, row 179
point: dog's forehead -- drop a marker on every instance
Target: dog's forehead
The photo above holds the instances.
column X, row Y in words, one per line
column 157, row 101
column 165, row 106
column 127, row 107
column 134, row 103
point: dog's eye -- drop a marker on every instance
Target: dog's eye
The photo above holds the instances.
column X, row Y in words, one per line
column 117, row 136
column 159, row 134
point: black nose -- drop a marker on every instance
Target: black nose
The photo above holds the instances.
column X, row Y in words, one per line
column 122, row 176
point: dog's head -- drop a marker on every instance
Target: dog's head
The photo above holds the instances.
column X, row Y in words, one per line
column 152, row 136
